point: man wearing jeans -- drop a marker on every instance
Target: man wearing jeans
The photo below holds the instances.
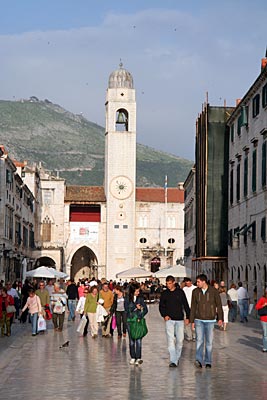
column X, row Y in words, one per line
column 243, row 301
column 172, row 305
column 206, row 303
column 72, row 293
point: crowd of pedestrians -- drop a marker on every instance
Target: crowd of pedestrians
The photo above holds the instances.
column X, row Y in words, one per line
column 190, row 311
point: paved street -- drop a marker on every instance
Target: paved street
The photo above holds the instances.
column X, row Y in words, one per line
column 35, row 367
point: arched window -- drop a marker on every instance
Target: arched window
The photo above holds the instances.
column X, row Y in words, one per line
column 238, row 273
column 122, row 120
column 46, row 229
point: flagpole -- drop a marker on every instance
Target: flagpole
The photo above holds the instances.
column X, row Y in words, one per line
column 166, row 207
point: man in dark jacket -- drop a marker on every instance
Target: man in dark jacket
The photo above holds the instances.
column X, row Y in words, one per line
column 73, row 296
column 205, row 305
column 172, row 306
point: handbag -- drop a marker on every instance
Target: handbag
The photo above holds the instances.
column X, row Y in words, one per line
column 58, row 307
column 81, row 326
column 10, row 309
column 262, row 312
column 41, row 326
column 113, row 322
column 137, row 327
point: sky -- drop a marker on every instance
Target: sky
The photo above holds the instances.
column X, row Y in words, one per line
column 177, row 52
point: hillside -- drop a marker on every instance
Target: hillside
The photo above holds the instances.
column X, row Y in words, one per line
column 37, row 130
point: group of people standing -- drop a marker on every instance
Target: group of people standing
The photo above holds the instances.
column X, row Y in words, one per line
column 189, row 311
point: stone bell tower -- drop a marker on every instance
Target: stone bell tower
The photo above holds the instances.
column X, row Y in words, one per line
column 120, row 172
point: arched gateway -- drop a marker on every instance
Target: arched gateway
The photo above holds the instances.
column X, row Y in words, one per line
column 83, row 264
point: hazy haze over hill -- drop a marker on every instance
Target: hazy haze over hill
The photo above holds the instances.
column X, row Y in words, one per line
column 37, row 131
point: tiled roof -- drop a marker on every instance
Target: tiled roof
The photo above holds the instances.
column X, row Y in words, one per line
column 85, row 194
column 97, row 194
column 157, row 195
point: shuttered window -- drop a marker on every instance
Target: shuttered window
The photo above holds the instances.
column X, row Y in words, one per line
column 263, row 228
column 231, row 187
column 263, row 165
column 256, row 105
column 232, row 132
column 245, row 176
column 254, row 171
column 238, row 182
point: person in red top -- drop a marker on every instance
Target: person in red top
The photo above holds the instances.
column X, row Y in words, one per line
column 262, row 302
column 5, row 317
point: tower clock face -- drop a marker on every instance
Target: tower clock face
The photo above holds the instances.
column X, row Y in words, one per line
column 121, row 187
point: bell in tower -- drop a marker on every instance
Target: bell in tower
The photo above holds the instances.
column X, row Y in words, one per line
column 122, row 120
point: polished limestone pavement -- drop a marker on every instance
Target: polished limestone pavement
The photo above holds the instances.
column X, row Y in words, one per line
column 33, row 368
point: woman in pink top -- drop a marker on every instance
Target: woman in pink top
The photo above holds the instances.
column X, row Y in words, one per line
column 33, row 303
column 81, row 290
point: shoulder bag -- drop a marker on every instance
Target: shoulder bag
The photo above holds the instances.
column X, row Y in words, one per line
column 262, row 312
column 10, row 309
column 137, row 326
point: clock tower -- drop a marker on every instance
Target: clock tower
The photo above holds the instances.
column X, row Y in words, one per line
column 120, row 172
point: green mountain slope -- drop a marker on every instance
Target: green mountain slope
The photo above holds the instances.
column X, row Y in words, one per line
column 37, row 131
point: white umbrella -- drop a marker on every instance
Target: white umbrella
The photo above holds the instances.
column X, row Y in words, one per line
column 41, row 272
column 136, row 272
column 177, row 271
column 58, row 274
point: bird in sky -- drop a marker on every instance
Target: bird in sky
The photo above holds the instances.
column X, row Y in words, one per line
column 66, row 344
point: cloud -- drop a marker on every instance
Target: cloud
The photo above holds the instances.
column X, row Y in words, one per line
column 174, row 57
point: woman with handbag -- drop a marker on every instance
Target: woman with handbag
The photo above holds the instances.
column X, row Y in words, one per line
column 261, row 306
column 58, row 304
column 136, row 309
column 33, row 303
column 7, row 309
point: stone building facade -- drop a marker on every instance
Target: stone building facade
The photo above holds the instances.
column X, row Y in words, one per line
column 247, row 247
column 17, row 220
column 189, row 219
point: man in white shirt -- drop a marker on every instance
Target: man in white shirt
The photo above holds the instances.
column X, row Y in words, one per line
column 243, row 301
column 188, row 289
column 232, row 293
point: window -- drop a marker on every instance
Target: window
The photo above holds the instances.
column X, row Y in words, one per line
column 263, row 229
column 47, row 196
column 238, row 182
column 254, row 171
column 125, row 226
column 171, row 240
column 256, row 105
column 245, row 176
column 264, row 95
column 143, row 240
column 244, row 116
column 232, row 132
column 231, row 187
column 116, row 226
column 46, row 229
column 263, row 165
column 239, row 124
column 25, row 237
